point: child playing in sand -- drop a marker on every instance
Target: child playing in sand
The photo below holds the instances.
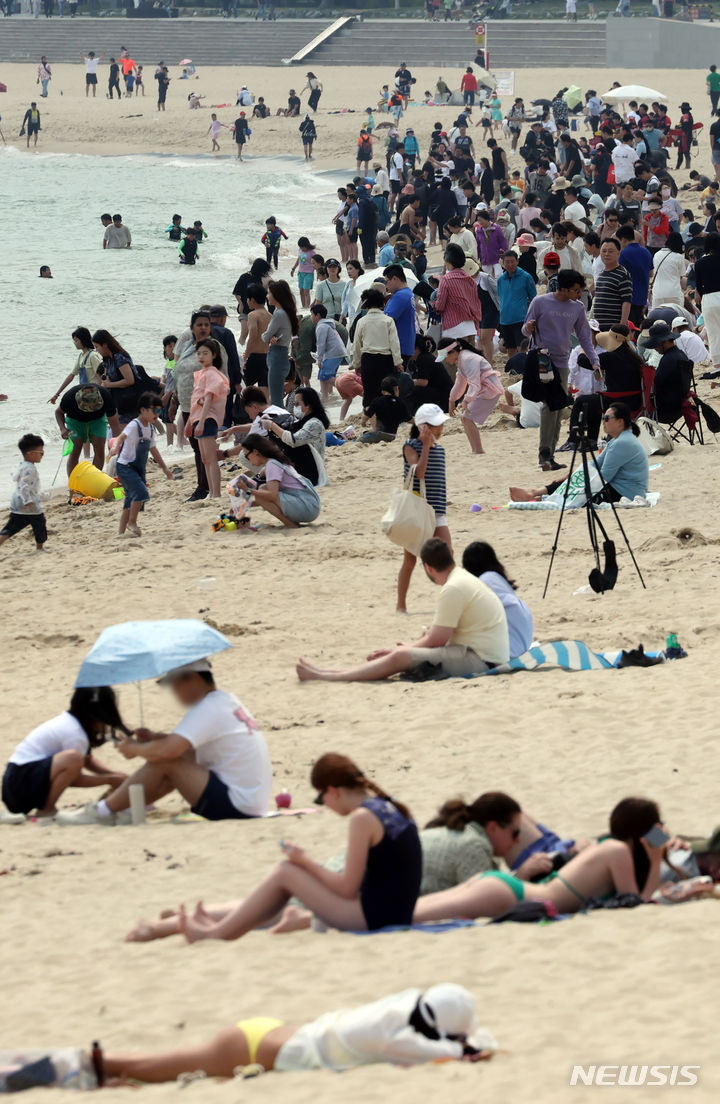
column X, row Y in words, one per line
column 207, row 408
column 388, row 410
column 422, row 450
column 26, row 502
column 271, row 240
column 214, row 129
column 132, row 448
column 58, row 753
column 169, row 399
column 304, row 267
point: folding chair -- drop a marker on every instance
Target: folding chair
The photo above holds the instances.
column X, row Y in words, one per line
column 686, row 424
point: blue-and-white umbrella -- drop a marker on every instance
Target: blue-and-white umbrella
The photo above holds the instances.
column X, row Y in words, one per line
column 137, row 650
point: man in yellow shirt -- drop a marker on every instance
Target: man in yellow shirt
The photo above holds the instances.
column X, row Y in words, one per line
column 468, row 636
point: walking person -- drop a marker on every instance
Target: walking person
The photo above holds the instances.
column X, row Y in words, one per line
column 315, row 88
column 712, row 82
column 44, row 76
column 163, row 79
column 31, row 124
column 114, row 79
column 308, row 133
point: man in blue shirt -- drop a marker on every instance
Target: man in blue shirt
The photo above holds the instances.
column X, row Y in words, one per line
column 638, row 261
column 401, row 307
column 387, row 251
column 516, row 291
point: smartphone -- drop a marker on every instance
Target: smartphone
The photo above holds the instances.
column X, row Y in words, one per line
column 656, row 837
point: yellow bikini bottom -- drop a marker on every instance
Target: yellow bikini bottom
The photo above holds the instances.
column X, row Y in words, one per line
column 255, row 1031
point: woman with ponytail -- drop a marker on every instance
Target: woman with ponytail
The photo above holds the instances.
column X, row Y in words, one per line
column 378, row 887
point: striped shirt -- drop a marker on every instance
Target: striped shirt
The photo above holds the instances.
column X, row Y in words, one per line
column 435, row 489
column 457, row 300
column 612, row 289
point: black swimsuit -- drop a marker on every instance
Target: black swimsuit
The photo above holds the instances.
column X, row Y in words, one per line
column 393, row 875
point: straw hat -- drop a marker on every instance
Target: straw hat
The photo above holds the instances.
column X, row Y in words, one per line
column 610, row 340
column 471, row 267
column 560, row 184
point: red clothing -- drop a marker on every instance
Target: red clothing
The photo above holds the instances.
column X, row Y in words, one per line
column 657, row 233
column 457, row 299
column 469, row 83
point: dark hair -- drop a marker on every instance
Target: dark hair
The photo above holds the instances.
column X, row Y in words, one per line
column 318, row 259
column 454, row 255
column 591, row 238
column 253, row 396
column 622, row 411
column 479, row 557
column 390, row 383
column 256, row 292
column 629, row 821
column 333, row 769
column 560, row 228
column 259, row 268
column 214, row 347
column 568, row 278
column 104, row 337
column 356, row 263
column 372, row 297
column 199, row 314
column 460, row 342
column 305, row 243
column 395, row 270
column 280, row 291
column 92, row 704
column 167, row 340
column 311, row 398
column 712, row 243
column 256, row 442
column 318, row 308
column 675, row 243
column 612, row 241
column 82, row 333
column 626, row 233
column 493, row 806
column 149, row 400
column 437, row 554
column 29, row 442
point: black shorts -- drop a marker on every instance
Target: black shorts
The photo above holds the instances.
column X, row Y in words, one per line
column 511, row 334
column 490, row 312
column 396, row 186
column 255, row 371
column 353, row 236
column 17, row 522
column 215, row 804
column 26, row 787
column 364, row 156
column 91, row 78
column 33, row 128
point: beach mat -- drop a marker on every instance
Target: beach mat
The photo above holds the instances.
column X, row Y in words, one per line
column 650, row 500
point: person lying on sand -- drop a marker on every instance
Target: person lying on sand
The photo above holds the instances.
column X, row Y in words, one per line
column 627, row 862
column 372, row 892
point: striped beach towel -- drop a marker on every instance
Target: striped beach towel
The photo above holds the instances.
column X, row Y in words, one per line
column 566, row 655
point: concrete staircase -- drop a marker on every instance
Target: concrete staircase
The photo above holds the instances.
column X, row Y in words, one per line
column 514, row 44
column 207, row 41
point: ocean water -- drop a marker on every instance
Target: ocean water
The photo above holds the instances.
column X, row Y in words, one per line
column 51, row 205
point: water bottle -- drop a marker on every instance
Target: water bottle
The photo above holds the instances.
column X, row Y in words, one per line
column 673, row 649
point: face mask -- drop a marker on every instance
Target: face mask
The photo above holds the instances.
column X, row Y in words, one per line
column 665, row 193
column 298, row 411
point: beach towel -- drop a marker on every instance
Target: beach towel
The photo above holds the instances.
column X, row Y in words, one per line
column 552, row 503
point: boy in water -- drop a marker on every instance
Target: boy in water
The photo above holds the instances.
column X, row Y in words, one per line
column 188, row 248
column 271, row 240
column 200, row 234
column 175, row 230
column 26, row 501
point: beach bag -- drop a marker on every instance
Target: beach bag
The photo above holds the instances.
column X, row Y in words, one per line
column 576, row 491
column 552, row 393
column 654, row 438
column 409, row 520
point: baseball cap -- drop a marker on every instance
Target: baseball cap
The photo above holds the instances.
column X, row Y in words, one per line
column 679, row 321
column 551, row 259
column 176, row 673
column 431, row 413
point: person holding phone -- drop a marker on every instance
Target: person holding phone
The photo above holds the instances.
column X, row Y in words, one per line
column 626, row 861
column 378, row 887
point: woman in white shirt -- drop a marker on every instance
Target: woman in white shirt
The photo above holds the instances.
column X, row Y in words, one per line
column 669, row 268
column 58, row 754
column 86, row 365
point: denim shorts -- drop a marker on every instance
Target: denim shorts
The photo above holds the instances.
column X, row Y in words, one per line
column 133, row 485
column 299, row 504
column 210, row 429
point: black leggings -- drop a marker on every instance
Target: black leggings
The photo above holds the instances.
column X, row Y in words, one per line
column 202, row 483
column 374, row 367
column 114, row 84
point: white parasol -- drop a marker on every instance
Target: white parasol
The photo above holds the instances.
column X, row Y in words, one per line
column 632, row 92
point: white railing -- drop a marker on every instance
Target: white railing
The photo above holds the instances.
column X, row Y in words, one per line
column 319, row 39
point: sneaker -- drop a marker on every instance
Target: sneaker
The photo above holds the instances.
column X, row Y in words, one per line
column 87, row 815
column 196, row 496
column 549, row 464
column 11, row 818
column 569, row 446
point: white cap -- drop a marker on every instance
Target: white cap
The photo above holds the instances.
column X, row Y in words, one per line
column 679, row 321
column 430, row 414
column 594, row 324
column 450, row 1009
column 186, row 669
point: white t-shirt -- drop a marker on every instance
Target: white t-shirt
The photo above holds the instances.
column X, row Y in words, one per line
column 575, row 212
column 63, row 733
column 117, row 237
column 228, row 741
column 624, row 158
column 133, row 432
column 693, row 346
column 396, row 169
column 529, row 411
column 91, row 65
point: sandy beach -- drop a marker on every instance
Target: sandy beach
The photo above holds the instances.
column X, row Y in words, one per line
column 613, row 987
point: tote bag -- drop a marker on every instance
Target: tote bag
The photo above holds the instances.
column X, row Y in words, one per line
column 409, row 520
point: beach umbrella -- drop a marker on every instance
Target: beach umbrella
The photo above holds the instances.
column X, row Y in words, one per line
column 137, row 650
column 631, row 92
column 186, row 61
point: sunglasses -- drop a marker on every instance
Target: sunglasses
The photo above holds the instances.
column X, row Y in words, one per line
column 320, row 799
column 608, row 417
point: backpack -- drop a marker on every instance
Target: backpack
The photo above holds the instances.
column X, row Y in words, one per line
column 364, row 143
column 126, row 398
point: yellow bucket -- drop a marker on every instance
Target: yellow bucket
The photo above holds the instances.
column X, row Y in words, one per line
column 86, row 479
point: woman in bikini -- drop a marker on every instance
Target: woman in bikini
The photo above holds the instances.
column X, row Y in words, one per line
column 378, row 887
column 623, row 863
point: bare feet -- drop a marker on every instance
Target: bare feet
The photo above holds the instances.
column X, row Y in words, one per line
column 306, row 672
column 195, row 927
column 292, row 919
column 143, row 932
column 519, row 494
column 478, row 452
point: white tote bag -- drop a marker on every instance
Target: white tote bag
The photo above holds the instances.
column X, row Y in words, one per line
column 654, row 438
column 409, row 520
